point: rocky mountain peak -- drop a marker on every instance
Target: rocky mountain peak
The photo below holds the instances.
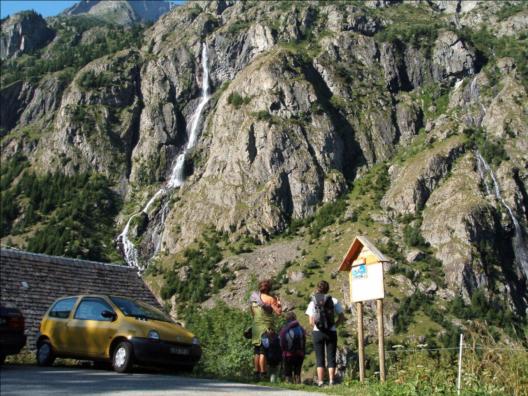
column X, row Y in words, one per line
column 121, row 12
column 23, row 32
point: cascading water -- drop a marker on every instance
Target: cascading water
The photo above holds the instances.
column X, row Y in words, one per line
column 177, row 176
column 520, row 247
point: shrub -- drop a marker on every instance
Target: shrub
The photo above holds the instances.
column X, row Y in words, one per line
column 226, row 353
column 203, row 278
column 237, row 100
column 91, row 80
column 326, row 216
column 238, row 26
column 406, row 310
column 263, row 115
column 413, row 237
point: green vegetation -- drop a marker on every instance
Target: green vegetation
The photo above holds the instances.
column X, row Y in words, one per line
column 510, row 9
column 91, row 80
column 487, row 309
column 489, row 48
column 413, row 237
column 226, row 354
column 262, row 115
column 326, row 215
column 411, row 25
column 65, row 53
column 65, row 215
column 434, row 99
column 238, row 26
column 202, row 276
column 10, row 210
column 492, row 152
column 236, row 100
column 411, row 371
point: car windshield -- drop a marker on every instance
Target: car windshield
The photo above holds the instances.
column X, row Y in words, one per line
column 139, row 310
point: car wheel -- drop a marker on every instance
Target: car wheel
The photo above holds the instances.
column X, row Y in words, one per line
column 122, row 358
column 45, row 355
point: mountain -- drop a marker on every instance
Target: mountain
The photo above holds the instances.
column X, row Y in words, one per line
column 231, row 141
column 23, row 32
column 121, row 12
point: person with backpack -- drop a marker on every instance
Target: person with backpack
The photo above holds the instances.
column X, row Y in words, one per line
column 293, row 345
column 273, row 353
column 322, row 312
column 264, row 306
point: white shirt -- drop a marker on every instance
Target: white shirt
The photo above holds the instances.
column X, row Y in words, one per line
column 338, row 310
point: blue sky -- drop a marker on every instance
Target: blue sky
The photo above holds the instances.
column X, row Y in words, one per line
column 44, row 7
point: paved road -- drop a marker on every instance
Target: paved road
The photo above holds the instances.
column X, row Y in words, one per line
column 31, row 380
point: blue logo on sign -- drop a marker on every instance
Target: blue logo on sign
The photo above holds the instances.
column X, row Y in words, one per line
column 359, row 272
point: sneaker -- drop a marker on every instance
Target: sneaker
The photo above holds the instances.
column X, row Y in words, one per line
column 273, row 378
column 319, row 384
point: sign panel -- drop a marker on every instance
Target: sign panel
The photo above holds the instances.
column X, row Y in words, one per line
column 359, row 271
column 366, row 277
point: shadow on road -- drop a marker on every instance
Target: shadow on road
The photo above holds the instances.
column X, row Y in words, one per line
column 24, row 380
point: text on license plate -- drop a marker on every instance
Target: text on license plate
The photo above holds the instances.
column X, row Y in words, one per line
column 179, row 351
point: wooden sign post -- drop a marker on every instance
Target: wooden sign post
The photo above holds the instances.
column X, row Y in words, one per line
column 364, row 262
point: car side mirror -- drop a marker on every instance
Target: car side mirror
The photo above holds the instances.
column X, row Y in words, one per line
column 108, row 315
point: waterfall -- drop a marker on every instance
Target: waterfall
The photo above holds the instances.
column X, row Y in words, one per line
column 520, row 247
column 177, row 175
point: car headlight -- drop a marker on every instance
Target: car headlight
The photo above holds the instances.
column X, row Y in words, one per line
column 195, row 341
column 154, row 335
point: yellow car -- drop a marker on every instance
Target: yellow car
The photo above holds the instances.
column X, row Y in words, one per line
column 116, row 329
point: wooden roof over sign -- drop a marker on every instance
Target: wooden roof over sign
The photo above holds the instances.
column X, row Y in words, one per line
column 356, row 248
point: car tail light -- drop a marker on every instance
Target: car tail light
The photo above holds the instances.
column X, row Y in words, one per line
column 15, row 322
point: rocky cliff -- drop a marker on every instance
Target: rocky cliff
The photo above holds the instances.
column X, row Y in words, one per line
column 121, row 12
column 405, row 121
column 22, row 33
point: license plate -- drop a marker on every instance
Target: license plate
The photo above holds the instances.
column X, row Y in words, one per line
column 179, row 351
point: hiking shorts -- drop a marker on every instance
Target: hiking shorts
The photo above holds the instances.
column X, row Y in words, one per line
column 259, row 350
column 293, row 365
column 325, row 342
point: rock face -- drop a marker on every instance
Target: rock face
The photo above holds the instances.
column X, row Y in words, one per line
column 121, row 12
column 306, row 99
column 23, row 32
column 96, row 124
column 412, row 185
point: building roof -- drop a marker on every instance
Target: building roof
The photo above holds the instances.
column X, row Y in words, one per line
column 31, row 282
column 355, row 249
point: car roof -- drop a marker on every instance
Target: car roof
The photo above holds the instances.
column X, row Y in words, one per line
column 94, row 295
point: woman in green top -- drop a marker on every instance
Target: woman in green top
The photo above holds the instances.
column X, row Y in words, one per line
column 263, row 308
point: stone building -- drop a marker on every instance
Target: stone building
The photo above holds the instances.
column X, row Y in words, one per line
column 31, row 282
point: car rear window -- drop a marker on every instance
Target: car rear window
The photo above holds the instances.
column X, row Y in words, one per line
column 62, row 308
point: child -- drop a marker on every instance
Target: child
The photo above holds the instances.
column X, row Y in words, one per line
column 293, row 343
column 273, row 353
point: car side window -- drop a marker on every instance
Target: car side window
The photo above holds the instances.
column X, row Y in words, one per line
column 92, row 308
column 62, row 308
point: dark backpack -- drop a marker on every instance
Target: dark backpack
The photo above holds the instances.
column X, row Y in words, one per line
column 273, row 349
column 324, row 312
column 294, row 340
